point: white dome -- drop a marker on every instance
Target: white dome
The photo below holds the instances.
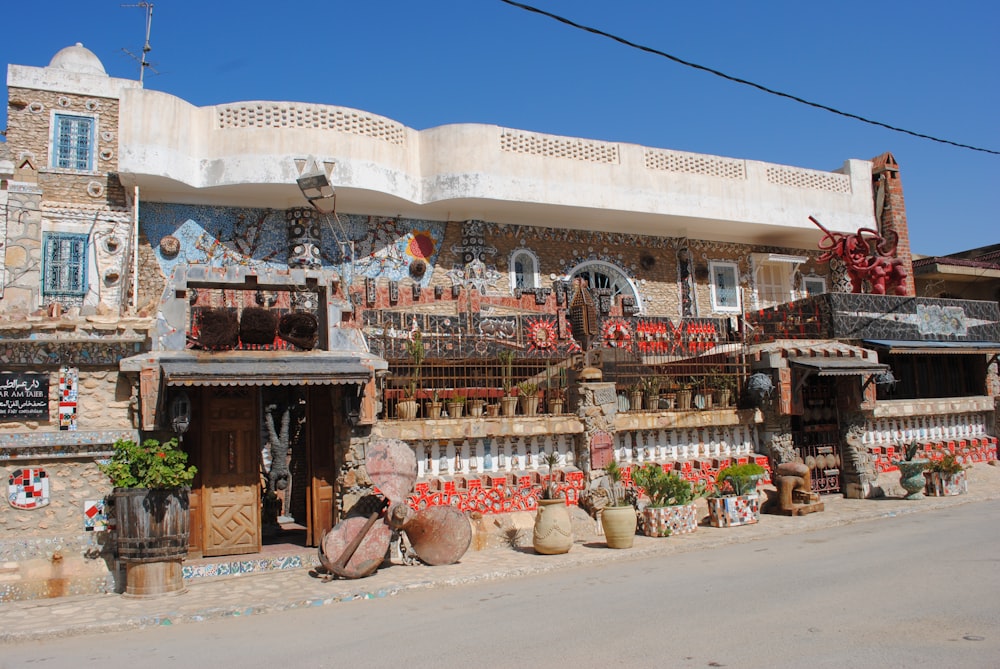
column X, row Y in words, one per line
column 78, row 58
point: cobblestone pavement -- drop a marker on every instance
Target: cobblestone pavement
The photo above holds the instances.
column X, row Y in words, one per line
column 269, row 592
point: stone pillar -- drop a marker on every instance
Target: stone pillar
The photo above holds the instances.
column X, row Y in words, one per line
column 23, row 249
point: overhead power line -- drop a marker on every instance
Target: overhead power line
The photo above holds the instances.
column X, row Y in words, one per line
column 738, row 80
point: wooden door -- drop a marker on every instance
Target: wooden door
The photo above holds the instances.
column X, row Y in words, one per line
column 230, row 472
column 323, row 420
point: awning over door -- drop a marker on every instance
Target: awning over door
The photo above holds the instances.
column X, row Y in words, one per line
column 265, row 372
column 838, row 366
column 935, row 347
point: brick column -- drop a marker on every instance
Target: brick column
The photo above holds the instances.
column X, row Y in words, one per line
column 891, row 216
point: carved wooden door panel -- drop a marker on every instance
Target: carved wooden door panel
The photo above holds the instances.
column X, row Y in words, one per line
column 231, row 472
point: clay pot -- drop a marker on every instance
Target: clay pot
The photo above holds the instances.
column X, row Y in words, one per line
column 619, row 523
column 553, row 531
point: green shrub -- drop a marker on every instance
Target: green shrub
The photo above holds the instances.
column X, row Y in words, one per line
column 150, row 465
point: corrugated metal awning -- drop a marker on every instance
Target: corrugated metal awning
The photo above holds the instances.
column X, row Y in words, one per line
column 264, row 372
column 935, row 347
column 838, row 366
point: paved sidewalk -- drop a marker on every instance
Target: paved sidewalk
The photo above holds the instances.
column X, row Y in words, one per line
column 207, row 599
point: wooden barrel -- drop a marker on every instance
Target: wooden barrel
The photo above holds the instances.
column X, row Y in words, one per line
column 152, row 524
column 154, row 579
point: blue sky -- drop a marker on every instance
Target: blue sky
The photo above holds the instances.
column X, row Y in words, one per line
column 929, row 67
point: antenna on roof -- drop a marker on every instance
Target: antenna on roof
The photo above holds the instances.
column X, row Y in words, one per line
column 148, row 6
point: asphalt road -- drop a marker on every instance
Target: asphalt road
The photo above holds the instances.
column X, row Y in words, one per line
column 919, row 590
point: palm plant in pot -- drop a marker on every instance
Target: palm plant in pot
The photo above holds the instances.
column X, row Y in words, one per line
column 618, row 518
column 735, row 500
column 946, row 476
column 671, row 508
column 151, row 484
column 553, row 529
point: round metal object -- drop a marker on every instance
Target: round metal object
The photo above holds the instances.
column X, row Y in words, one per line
column 366, row 557
column 439, row 534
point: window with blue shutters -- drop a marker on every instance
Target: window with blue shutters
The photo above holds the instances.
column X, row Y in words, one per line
column 65, row 264
column 73, row 143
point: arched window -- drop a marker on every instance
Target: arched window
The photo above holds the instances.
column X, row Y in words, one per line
column 600, row 274
column 523, row 270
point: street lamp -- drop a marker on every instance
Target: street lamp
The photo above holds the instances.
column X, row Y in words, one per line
column 317, row 189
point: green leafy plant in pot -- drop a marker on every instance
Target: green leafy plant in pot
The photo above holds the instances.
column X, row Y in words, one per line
column 151, row 505
column 946, row 477
column 671, row 498
column 735, row 500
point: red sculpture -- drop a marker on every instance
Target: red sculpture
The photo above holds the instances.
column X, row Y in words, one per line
column 867, row 256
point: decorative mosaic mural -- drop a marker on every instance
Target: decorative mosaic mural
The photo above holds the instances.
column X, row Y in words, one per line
column 380, row 247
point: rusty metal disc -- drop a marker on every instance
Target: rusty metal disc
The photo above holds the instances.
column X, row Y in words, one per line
column 366, row 558
column 439, row 534
column 392, row 467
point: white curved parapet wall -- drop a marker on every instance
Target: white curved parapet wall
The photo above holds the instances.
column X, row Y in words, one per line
column 250, row 154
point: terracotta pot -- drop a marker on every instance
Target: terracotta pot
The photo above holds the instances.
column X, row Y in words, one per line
column 432, row 409
column 684, row 400
column 635, row 401
column 553, row 531
column 475, row 408
column 492, row 410
column 529, row 405
column 406, row 409
column 508, row 405
column 455, row 409
column 619, row 523
column 555, row 407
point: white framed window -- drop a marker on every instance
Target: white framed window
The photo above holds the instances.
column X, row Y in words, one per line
column 65, row 268
column 73, row 142
column 523, row 270
column 813, row 285
column 725, row 286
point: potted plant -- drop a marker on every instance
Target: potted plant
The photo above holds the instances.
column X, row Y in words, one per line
column 684, row 395
column 556, row 395
column 407, row 407
column 528, row 392
column 911, row 472
column 671, row 508
column 508, row 403
column 946, row 477
column 432, row 409
column 651, row 392
column 475, row 406
column 724, row 385
column 635, row 396
column 553, row 529
column 735, row 500
column 618, row 518
column 456, row 404
column 151, row 484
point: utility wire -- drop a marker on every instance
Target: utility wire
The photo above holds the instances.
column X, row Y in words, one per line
column 737, row 80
